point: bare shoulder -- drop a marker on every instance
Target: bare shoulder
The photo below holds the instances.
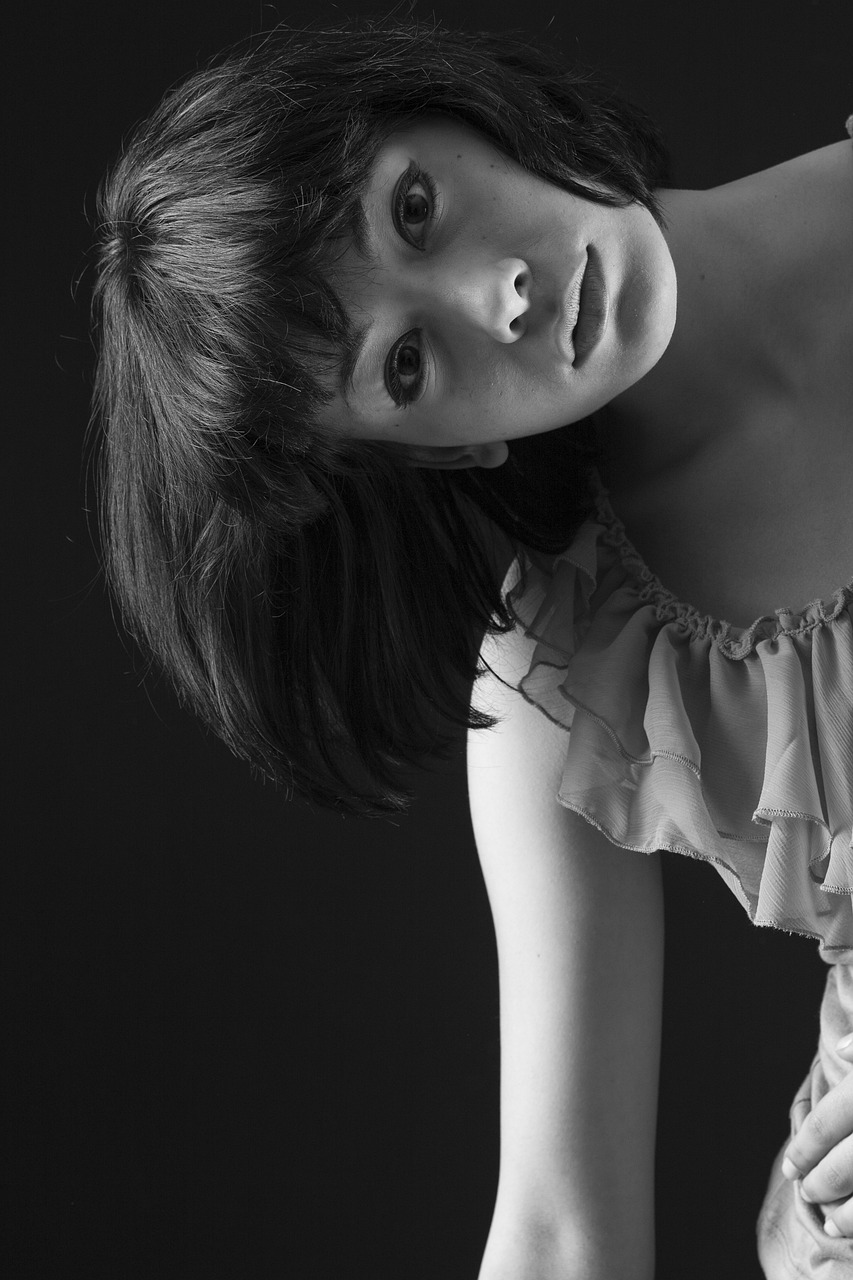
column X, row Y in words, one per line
column 515, row 767
column 827, row 171
column 822, row 181
column 832, row 164
column 806, row 201
column 506, row 656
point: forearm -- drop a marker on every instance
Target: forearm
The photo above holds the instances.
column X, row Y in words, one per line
column 579, row 1065
column 579, row 932
column 580, row 1031
column 537, row 1253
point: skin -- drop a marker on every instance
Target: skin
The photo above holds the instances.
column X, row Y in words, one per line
column 756, row 273
column 742, row 267
column 486, row 286
column 821, row 1154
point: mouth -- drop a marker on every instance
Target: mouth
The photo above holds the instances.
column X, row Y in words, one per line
column 570, row 313
column 593, row 308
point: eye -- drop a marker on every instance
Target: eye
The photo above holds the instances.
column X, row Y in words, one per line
column 414, row 204
column 405, row 369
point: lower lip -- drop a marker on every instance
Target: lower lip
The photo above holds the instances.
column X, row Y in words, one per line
column 594, row 309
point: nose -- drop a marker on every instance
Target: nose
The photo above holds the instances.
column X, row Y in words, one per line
column 494, row 297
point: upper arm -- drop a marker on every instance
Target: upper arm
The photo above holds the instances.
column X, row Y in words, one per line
column 579, row 930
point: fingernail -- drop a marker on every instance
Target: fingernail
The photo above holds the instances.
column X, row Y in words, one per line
column 790, row 1170
column 806, row 1195
column 830, row 1228
column 845, row 1043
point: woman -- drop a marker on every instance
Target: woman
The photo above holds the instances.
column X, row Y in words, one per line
column 375, row 334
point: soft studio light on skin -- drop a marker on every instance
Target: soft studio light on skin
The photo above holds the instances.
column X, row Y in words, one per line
column 476, row 280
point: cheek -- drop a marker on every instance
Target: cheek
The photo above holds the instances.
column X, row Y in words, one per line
column 644, row 315
column 481, row 375
column 518, row 381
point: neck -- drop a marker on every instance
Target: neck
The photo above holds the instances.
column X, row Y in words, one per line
column 725, row 351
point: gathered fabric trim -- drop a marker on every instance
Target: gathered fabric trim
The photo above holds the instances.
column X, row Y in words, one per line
column 735, row 642
column 733, row 746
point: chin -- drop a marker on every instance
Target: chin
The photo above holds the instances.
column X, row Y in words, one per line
column 659, row 339
column 647, row 323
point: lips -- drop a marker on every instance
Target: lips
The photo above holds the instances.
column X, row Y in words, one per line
column 593, row 308
column 573, row 306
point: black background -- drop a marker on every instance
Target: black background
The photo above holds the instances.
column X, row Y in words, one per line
column 247, row 1039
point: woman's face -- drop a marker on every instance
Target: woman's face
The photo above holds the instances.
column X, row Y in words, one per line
column 476, row 276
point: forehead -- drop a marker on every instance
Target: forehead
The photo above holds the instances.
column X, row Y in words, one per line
column 438, row 136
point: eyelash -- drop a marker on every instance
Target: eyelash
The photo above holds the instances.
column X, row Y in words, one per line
column 404, row 396
column 414, row 176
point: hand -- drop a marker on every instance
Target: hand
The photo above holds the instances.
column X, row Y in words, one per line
column 821, row 1153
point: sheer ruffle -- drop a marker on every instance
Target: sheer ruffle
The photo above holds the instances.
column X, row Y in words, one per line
column 726, row 744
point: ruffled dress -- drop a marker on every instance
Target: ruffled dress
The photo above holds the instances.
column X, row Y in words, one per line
column 727, row 744
column 732, row 745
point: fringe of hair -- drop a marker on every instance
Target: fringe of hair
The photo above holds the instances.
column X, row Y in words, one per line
column 319, row 603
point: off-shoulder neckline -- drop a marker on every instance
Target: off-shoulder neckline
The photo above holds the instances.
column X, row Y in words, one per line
column 733, row 639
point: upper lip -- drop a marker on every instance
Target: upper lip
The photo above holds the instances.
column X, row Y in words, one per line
column 570, row 306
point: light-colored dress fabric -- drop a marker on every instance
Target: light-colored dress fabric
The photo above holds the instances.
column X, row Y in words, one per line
column 727, row 744
column 731, row 745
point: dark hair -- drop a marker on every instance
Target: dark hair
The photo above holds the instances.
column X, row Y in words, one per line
column 318, row 601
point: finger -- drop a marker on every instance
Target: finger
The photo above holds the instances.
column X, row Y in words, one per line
column 839, row 1221
column 799, row 1111
column 844, row 1048
column 826, row 1125
column 832, row 1177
